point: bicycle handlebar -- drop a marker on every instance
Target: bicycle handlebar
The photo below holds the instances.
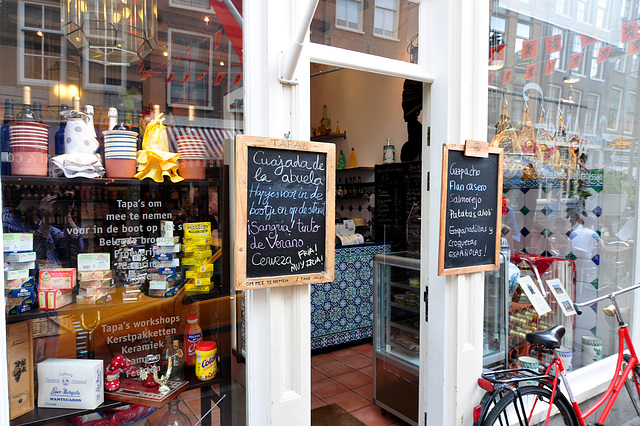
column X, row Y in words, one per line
column 606, row 296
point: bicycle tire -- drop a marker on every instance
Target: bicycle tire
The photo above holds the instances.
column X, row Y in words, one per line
column 507, row 413
column 632, row 389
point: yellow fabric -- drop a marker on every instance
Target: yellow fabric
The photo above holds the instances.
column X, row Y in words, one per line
column 154, row 159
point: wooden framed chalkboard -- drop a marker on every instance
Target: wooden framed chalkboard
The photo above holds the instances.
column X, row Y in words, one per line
column 285, row 212
column 470, row 209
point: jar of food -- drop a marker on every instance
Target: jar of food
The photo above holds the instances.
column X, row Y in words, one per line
column 206, row 364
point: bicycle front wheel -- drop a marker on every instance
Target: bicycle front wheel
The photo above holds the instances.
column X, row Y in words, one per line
column 632, row 383
column 531, row 409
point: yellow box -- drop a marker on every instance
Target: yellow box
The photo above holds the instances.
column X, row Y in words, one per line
column 197, row 229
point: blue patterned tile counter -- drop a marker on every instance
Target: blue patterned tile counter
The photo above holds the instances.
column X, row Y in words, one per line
column 342, row 310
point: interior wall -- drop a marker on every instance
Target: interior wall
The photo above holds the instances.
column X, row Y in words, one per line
column 367, row 106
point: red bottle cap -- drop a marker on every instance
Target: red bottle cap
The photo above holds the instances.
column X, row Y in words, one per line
column 206, row 346
column 192, row 317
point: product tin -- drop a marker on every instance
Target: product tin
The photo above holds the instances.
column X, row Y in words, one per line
column 206, row 364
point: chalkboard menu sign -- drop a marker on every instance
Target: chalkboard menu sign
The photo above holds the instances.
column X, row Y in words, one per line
column 470, row 209
column 285, row 214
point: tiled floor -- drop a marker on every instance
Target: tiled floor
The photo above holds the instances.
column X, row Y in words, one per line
column 345, row 377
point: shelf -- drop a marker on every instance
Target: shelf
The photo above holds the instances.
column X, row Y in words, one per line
column 357, row 169
column 328, row 137
column 49, row 180
column 404, row 286
column 405, row 307
column 406, row 328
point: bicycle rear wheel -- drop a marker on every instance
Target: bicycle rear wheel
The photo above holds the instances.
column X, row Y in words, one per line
column 631, row 383
column 531, row 409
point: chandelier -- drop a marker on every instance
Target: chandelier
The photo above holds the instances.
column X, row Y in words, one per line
column 111, row 32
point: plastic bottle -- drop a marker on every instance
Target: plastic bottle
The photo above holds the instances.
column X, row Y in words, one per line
column 26, row 113
column 341, row 161
column 59, row 137
column 192, row 336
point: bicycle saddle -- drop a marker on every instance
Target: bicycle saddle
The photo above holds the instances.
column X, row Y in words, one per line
column 549, row 338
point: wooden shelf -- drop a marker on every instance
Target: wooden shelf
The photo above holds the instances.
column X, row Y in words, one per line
column 357, row 169
column 329, row 136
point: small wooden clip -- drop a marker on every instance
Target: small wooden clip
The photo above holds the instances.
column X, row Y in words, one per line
column 476, row 149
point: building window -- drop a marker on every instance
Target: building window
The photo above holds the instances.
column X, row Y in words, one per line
column 591, row 116
column 629, row 111
column 583, row 11
column 41, row 43
column 108, row 78
column 596, row 70
column 523, row 32
column 385, row 22
column 602, row 14
column 558, row 56
column 191, row 4
column 349, row 14
column 190, row 67
column 613, row 108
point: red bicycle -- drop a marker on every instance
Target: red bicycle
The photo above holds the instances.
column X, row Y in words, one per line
column 522, row 396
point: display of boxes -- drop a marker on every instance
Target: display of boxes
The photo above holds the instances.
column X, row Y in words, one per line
column 29, row 256
column 20, row 366
column 94, row 262
column 70, row 383
column 197, row 229
column 18, row 274
column 61, row 278
column 14, row 266
column 95, row 275
column 51, row 299
column 17, row 242
column 166, row 228
column 19, row 305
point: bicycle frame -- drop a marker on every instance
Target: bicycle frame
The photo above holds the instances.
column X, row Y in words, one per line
column 614, row 388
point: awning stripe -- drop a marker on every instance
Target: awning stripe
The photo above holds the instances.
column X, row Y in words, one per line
column 214, row 138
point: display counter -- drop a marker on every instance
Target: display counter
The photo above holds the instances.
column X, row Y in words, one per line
column 342, row 310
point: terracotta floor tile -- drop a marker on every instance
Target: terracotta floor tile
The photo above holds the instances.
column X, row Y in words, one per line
column 348, row 400
column 320, row 359
column 317, row 403
column 367, row 370
column 353, row 380
column 316, row 375
column 365, row 391
column 372, row 416
column 325, row 388
column 342, row 353
column 334, row 368
column 366, row 348
column 357, row 361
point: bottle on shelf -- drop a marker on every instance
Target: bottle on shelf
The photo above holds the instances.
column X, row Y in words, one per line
column 341, row 161
column 353, row 162
column 59, row 136
column 112, row 115
column 76, row 104
column 192, row 119
column 37, row 110
column 26, row 113
column 4, row 137
column 192, row 336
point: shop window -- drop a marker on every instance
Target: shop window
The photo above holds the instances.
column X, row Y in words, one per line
column 584, row 11
column 629, row 111
column 349, row 14
column 104, row 77
column 523, row 33
column 190, row 66
column 386, row 18
column 41, row 46
column 596, row 69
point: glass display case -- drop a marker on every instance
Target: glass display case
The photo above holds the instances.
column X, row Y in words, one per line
column 396, row 336
column 496, row 327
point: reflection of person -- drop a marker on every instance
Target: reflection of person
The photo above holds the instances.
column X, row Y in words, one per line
column 52, row 245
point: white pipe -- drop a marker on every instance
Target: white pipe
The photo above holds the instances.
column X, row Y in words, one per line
column 290, row 57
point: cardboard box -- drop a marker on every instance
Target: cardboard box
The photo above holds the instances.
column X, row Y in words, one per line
column 20, row 368
column 166, row 228
column 94, row 261
column 29, row 256
column 17, row 242
column 17, row 274
column 197, row 229
column 55, row 299
column 16, row 266
column 61, row 278
column 94, row 275
column 70, row 383
column 167, row 241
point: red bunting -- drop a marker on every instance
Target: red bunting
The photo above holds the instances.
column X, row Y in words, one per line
column 201, row 76
column 629, row 31
column 219, row 78
column 552, row 44
column 238, row 79
column 550, row 67
column 633, row 47
column 186, row 77
column 170, row 77
column 146, row 74
column 216, row 40
column 506, row 77
column 530, row 72
column 496, row 53
column 575, row 61
column 586, row 40
column 529, row 49
column 603, row 54
column 491, row 76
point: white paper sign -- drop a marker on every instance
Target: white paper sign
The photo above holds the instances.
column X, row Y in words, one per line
column 533, row 294
column 561, row 295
